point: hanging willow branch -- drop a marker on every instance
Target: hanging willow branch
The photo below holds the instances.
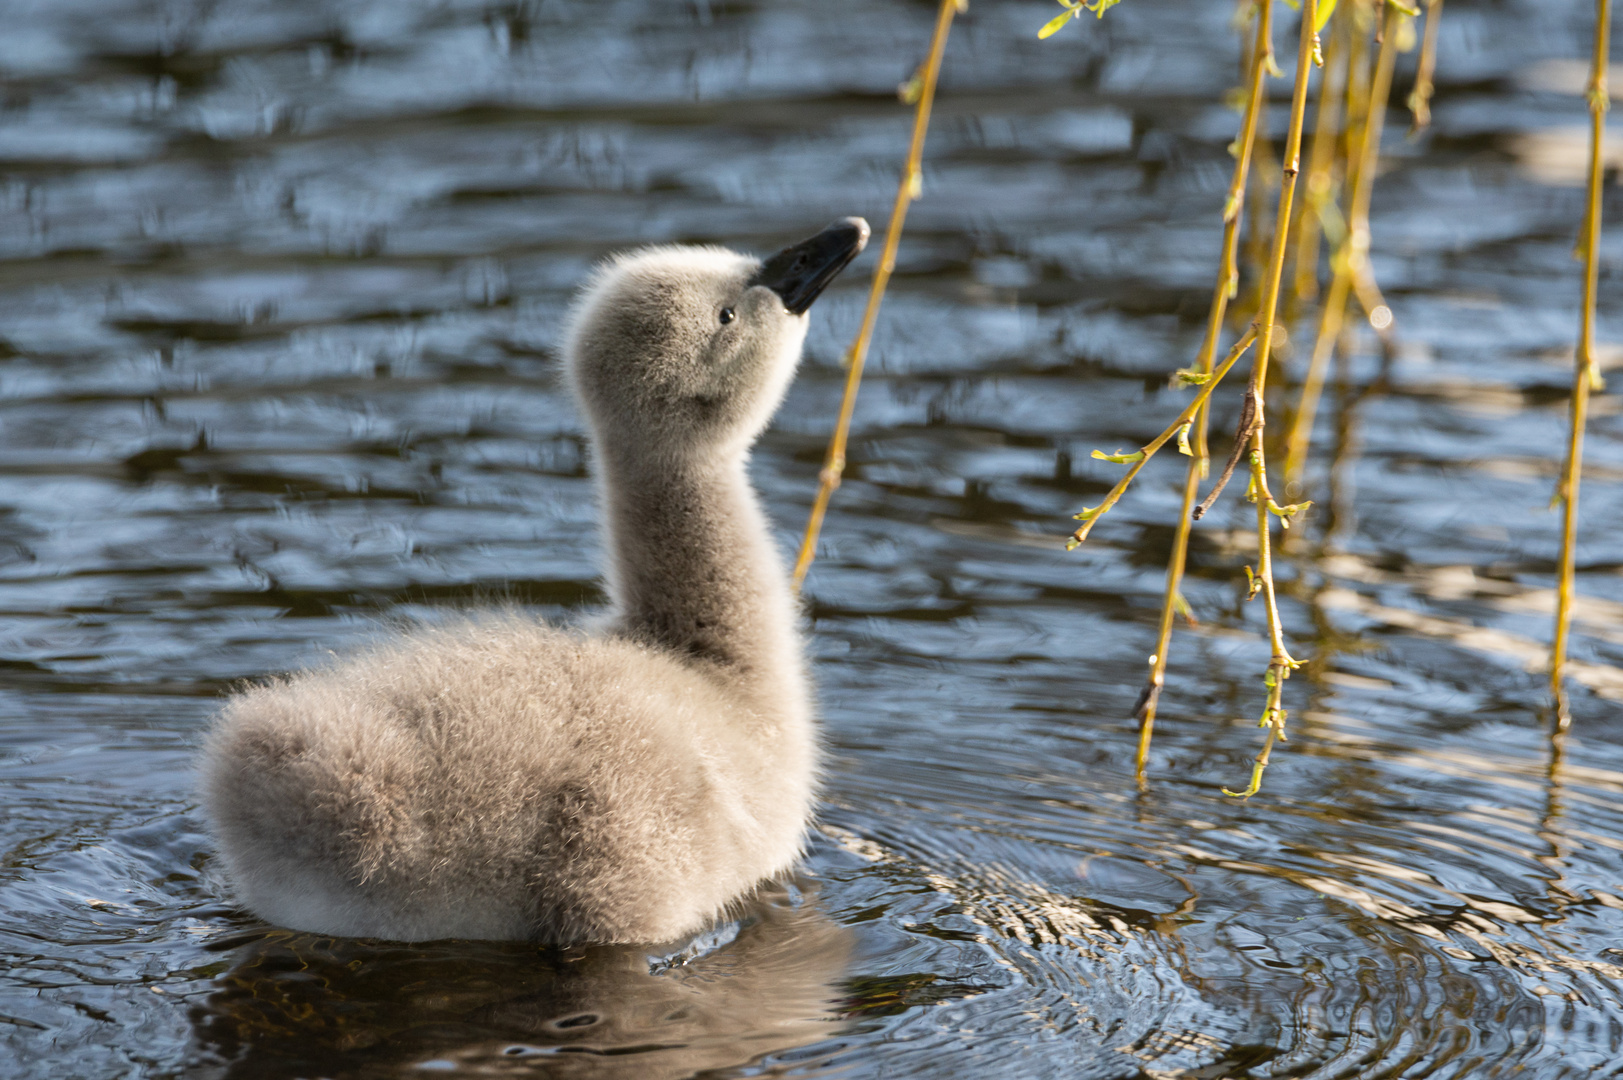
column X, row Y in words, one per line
column 1228, row 278
column 1420, row 96
column 1280, row 663
column 1318, row 202
column 1090, row 515
column 1586, row 376
column 1350, row 263
column 923, row 85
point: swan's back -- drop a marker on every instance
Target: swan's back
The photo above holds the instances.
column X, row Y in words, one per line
column 503, row 779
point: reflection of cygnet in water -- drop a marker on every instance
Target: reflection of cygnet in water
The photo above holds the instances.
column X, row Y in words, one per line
column 298, row 1005
column 505, row 779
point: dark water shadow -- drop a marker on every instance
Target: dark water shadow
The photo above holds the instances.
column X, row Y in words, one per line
column 301, row 1005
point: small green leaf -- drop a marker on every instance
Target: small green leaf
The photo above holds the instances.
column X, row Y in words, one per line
column 1119, row 459
column 1287, row 512
column 1191, row 377
column 1088, row 514
column 1056, row 24
column 1322, row 15
column 1183, row 439
column 910, row 91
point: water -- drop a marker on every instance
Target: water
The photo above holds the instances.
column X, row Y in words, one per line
column 280, row 286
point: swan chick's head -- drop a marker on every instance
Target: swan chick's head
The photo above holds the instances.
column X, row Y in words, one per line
column 682, row 351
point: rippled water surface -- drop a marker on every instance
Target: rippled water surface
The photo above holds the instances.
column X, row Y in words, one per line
column 280, row 286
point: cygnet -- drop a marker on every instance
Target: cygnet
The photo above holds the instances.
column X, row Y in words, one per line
column 500, row 778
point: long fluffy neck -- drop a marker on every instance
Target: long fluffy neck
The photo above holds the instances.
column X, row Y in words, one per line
column 693, row 569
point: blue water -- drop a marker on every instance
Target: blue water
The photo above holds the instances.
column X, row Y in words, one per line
column 280, row 289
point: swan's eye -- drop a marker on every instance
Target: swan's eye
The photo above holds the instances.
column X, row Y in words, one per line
column 726, row 315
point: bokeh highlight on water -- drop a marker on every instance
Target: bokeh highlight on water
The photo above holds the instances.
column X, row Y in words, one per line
column 280, row 288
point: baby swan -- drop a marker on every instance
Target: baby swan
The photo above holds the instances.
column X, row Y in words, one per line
column 506, row 779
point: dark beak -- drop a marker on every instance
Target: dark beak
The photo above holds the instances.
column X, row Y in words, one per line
column 798, row 274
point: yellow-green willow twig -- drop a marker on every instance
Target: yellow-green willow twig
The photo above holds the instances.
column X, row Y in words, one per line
column 906, row 192
column 1088, row 517
column 1257, row 242
column 1280, row 663
column 1420, row 96
column 1349, row 263
column 1228, row 276
column 1362, row 17
column 1585, row 377
column 1321, row 161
